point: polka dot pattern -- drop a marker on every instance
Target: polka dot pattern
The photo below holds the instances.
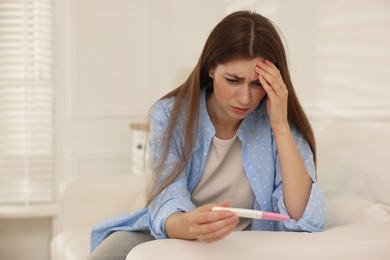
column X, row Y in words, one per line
column 260, row 162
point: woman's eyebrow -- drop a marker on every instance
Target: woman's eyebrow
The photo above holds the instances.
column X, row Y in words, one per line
column 234, row 76
column 240, row 78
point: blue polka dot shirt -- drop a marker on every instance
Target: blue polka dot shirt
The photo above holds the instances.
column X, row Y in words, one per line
column 260, row 161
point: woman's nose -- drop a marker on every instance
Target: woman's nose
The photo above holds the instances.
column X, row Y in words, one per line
column 244, row 95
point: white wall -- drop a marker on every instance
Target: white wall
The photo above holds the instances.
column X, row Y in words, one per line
column 114, row 59
column 111, row 66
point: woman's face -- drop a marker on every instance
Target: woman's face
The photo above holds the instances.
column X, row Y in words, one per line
column 237, row 90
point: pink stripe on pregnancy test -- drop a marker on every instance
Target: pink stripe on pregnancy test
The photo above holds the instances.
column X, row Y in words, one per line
column 251, row 213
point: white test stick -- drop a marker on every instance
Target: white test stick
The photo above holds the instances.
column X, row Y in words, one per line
column 256, row 214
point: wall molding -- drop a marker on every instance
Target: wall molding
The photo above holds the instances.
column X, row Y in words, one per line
column 77, row 108
column 120, row 157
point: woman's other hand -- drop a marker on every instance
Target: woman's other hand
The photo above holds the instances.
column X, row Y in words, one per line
column 272, row 82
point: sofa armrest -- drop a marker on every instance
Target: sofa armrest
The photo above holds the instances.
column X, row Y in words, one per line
column 357, row 242
column 86, row 201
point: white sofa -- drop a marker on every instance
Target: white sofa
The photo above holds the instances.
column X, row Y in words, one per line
column 86, row 201
column 352, row 170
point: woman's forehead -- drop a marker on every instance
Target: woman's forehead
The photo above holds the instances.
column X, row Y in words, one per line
column 239, row 65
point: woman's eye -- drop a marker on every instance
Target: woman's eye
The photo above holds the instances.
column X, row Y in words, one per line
column 232, row 80
column 257, row 84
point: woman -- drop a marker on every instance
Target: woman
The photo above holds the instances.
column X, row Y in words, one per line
column 234, row 134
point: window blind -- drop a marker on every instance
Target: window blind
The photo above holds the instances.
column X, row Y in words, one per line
column 26, row 102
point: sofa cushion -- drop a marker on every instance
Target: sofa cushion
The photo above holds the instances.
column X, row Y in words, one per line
column 369, row 241
column 138, row 203
column 353, row 157
column 71, row 245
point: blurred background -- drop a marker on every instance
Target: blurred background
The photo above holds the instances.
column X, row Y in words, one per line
column 74, row 74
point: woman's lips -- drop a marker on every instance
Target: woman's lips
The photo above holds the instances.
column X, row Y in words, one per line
column 240, row 110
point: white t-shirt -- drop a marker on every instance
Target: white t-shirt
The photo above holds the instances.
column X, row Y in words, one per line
column 224, row 178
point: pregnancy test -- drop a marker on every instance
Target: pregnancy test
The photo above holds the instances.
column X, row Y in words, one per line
column 251, row 213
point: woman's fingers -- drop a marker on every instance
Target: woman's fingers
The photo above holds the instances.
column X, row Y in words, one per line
column 218, row 234
column 210, row 226
column 210, row 222
column 271, row 75
column 272, row 82
column 270, row 91
column 210, row 232
column 205, row 214
column 225, row 204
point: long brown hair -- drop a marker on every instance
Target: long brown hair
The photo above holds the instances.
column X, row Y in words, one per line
column 242, row 34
